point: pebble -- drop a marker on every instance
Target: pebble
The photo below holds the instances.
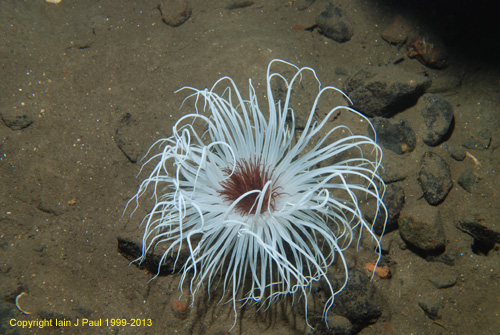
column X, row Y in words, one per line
column 132, row 250
column 456, row 152
column 359, row 301
column 15, row 118
column 125, row 140
column 479, row 140
column 443, row 280
column 392, row 172
column 397, row 32
column 421, row 229
column 434, row 178
column 430, row 308
column 339, row 325
column 180, row 309
column 485, row 234
column 394, row 200
column 385, row 90
column 175, row 12
column 438, row 118
column 394, row 135
column 467, row 180
column 334, row 24
column 382, row 271
column 236, row 4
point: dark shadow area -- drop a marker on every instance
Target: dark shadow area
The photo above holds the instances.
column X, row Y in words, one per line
column 468, row 29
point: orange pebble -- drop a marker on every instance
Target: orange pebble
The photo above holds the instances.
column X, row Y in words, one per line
column 299, row 27
column 383, row 272
column 180, row 309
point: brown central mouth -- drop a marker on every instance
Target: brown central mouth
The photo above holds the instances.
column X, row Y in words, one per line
column 249, row 175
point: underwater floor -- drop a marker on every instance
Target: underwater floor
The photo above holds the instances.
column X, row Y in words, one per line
column 88, row 86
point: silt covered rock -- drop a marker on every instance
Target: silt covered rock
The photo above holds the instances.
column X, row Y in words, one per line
column 438, row 118
column 434, row 178
column 421, row 229
column 334, row 24
column 385, row 91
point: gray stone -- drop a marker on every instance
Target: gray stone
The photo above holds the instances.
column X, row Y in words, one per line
column 334, row 24
column 174, row 12
column 394, row 200
column 339, row 325
column 152, row 262
column 125, row 140
column 479, row 140
column 392, row 172
column 434, row 178
column 15, row 118
column 358, row 301
column 456, row 152
column 385, row 91
column 395, row 135
column 236, row 4
column 467, row 180
column 485, row 234
column 430, row 308
column 397, row 32
column 443, row 280
column 438, row 118
column 421, row 230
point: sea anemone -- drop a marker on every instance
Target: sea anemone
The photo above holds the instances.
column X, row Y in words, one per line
column 263, row 209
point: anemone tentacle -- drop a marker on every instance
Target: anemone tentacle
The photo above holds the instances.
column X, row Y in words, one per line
column 262, row 212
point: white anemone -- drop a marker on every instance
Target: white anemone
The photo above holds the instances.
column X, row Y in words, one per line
column 263, row 209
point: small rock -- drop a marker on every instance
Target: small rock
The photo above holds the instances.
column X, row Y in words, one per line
column 15, row 118
column 180, row 309
column 480, row 140
column 341, row 71
column 358, row 301
column 434, row 178
column 467, row 180
column 125, row 140
column 485, row 237
column 421, row 229
column 456, row 152
column 152, row 262
column 430, row 308
column 386, row 90
column 175, row 12
column 334, row 24
column 335, row 324
column 382, row 271
column 392, row 172
column 397, row 32
column 235, row 4
column 339, row 325
column 304, row 4
column 394, row 200
column 438, row 118
column 395, row 135
column 443, row 280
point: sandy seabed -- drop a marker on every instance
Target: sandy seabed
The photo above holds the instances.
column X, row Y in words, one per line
column 75, row 69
